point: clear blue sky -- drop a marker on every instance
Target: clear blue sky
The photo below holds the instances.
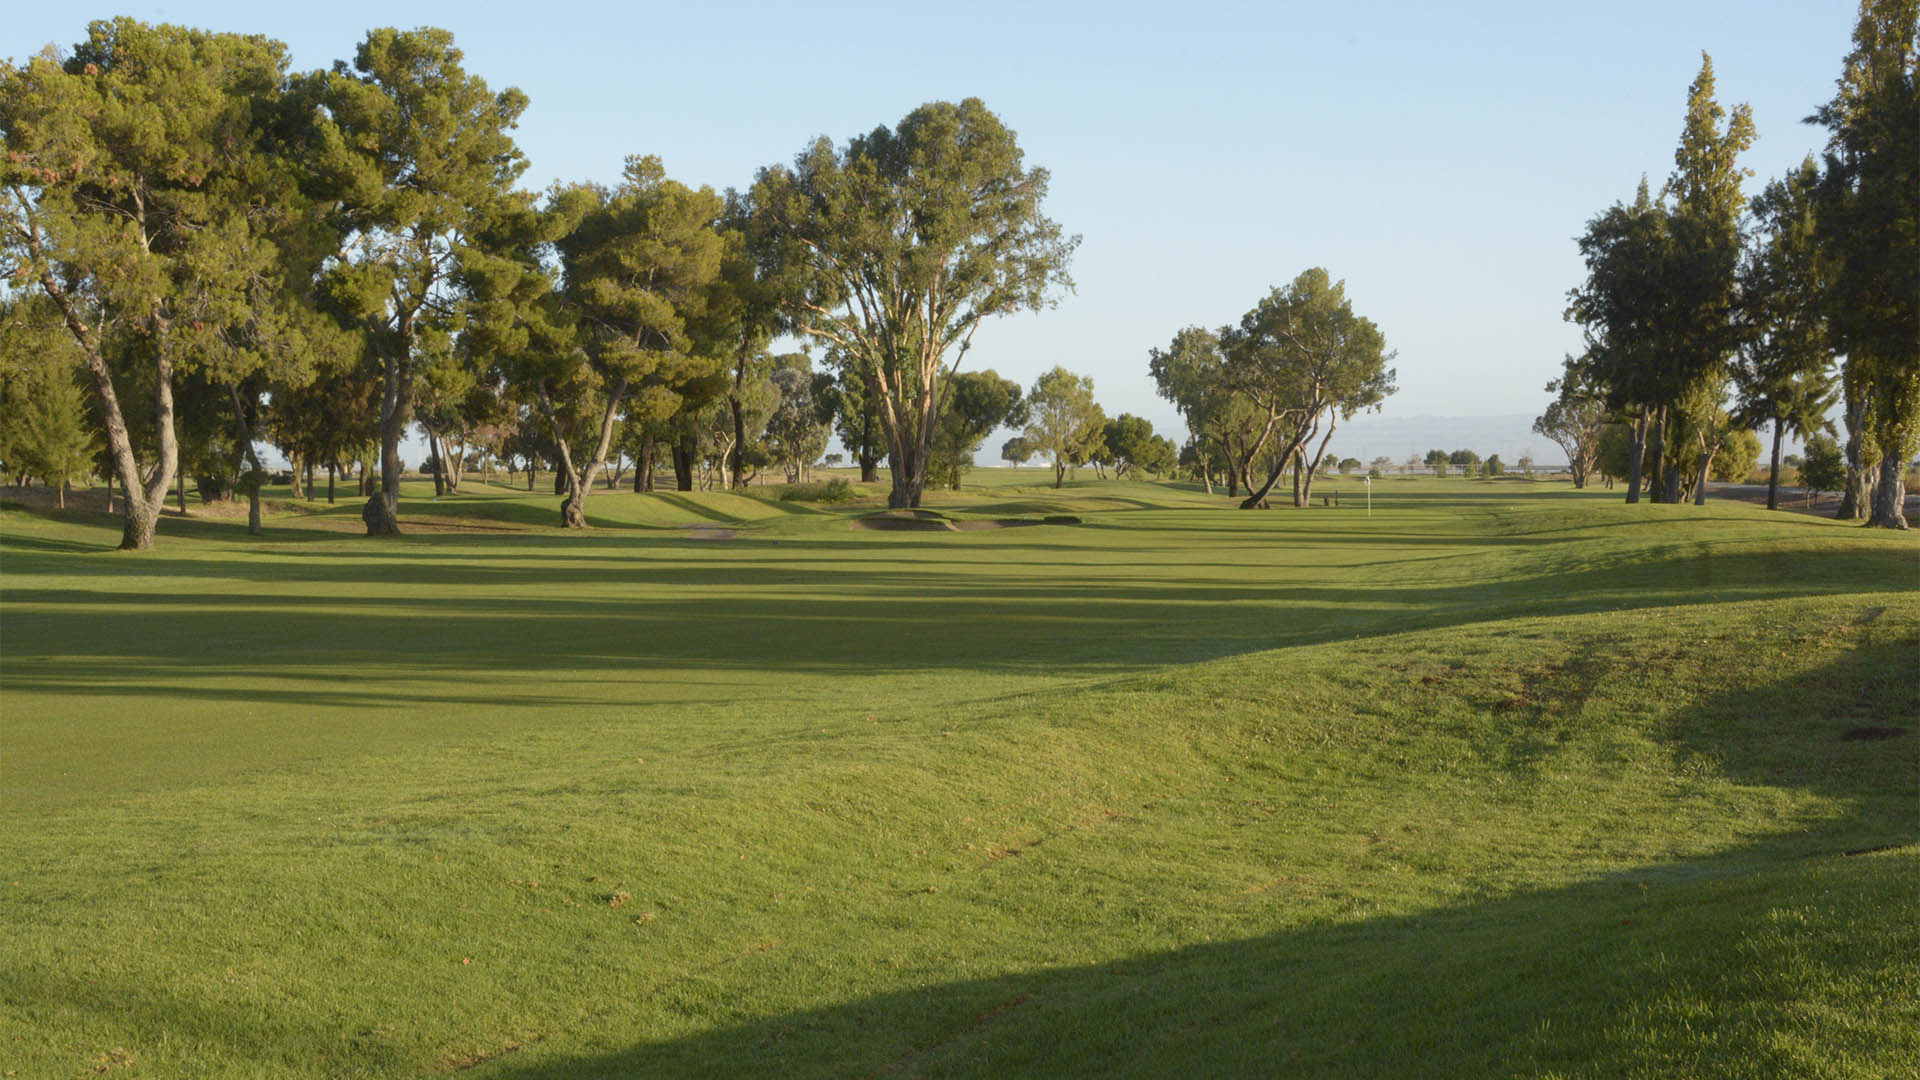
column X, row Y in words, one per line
column 1438, row 157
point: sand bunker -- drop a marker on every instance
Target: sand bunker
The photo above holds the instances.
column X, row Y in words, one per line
column 929, row 521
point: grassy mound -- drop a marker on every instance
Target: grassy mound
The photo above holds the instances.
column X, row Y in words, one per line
column 1497, row 781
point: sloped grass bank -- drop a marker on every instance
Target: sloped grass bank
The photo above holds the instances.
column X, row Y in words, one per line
column 1516, row 788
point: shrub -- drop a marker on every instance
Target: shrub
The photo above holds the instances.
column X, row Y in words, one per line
column 836, row 490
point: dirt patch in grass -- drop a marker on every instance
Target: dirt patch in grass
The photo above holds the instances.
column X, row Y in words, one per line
column 902, row 523
column 708, row 532
column 1871, row 732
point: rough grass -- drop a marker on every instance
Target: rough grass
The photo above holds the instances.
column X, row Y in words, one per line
column 1502, row 780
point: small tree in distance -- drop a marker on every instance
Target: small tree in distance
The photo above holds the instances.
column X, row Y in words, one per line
column 1824, row 468
column 1066, row 423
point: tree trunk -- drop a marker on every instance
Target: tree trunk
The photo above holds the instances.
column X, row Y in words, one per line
column 293, row 472
column 1656, row 455
column 643, row 468
column 109, row 491
column 1856, row 500
column 1773, row 474
column 330, row 471
column 683, row 463
column 255, row 475
column 736, row 456
column 573, row 512
column 869, row 467
column 436, row 464
column 1636, row 457
column 382, row 512
column 1313, row 467
column 183, row 494
column 1257, row 499
column 909, row 476
column 1890, row 494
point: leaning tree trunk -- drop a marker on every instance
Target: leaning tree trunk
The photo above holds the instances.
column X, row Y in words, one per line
column 573, row 512
column 1890, row 493
column 1305, row 494
column 1256, row 500
column 1707, row 448
column 1773, row 474
column 436, row 464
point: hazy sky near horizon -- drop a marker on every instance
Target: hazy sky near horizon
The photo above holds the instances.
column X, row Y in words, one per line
column 1438, row 157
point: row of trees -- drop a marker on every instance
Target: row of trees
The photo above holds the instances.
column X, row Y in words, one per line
column 328, row 257
column 1065, row 425
column 1706, row 312
column 1265, row 396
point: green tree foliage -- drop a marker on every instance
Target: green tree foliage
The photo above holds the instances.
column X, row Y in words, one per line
column 639, row 263
column 1736, row 456
column 977, row 404
column 1436, row 460
column 1303, row 359
column 1783, row 373
column 796, row 435
column 1660, row 302
column 414, row 155
column 122, row 188
column 1132, row 446
column 1227, row 430
column 1824, row 467
column 903, row 242
column 1064, row 422
column 1016, row 451
column 1493, row 466
column 46, row 424
column 1867, row 224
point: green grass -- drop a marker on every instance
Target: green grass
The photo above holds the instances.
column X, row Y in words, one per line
column 1502, row 780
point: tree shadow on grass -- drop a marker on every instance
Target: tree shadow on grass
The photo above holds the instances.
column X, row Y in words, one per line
column 1756, row 960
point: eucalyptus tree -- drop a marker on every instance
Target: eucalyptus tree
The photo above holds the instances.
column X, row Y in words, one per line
column 1226, row 427
column 120, row 187
column 853, row 401
column 902, row 243
column 1783, row 373
column 1302, row 358
column 1064, row 422
column 1573, row 421
column 795, row 435
column 414, row 154
column 1867, row 221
